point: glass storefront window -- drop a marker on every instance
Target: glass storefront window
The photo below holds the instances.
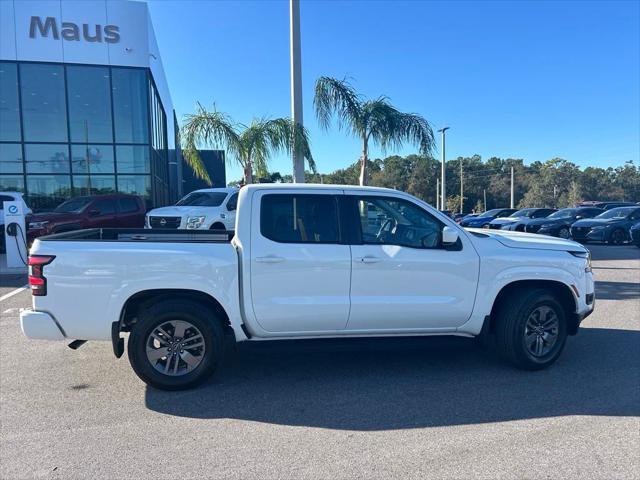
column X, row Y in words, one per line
column 47, row 158
column 92, row 159
column 11, row 183
column 43, row 102
column 94, row 184
column 135, row 184
column 10, row 158
column 132, row 159
column 130, row 102
column 9, row 108
column 45, row 192
column 89, row 94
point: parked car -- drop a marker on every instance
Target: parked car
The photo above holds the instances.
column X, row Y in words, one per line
column 114, row 210
column 305, row 263
column 9, row 197
column 457, row 217
column 206, row 209
column 558, row 224
column 605, row 205
column 484, row 218
column 517, row 221
column 634, row 234
column 612, row 226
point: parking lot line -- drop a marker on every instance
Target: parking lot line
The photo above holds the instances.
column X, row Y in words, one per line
column 14, row 292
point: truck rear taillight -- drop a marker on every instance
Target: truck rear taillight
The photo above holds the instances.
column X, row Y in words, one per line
column 37, row 281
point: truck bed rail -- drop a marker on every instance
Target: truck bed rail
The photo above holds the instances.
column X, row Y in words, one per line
column 141, row 235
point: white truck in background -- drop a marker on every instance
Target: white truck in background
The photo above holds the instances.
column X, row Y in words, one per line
column 205, row 209
column 306, row 261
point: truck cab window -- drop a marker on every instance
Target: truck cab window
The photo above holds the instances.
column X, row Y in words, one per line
column 392, row 221
column 299, row 218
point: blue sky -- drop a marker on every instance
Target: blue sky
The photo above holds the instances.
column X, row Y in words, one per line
column 521, row 79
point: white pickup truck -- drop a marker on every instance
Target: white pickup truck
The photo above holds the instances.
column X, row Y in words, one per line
column 306, row 261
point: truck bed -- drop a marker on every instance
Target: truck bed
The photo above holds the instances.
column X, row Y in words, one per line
column 141, row 235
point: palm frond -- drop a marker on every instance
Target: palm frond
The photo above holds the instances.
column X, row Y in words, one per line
column 210, row 129
column 337, row 97
column 390, row 127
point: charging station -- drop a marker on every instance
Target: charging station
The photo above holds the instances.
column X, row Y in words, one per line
column 15, row 235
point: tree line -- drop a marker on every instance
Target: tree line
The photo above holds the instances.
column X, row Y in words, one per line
column 556, row 183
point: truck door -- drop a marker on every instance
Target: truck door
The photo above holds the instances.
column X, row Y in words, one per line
column 300, row 272
column 403, row 278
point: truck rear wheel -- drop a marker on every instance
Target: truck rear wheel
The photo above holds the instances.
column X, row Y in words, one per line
column 175, row 344
column 531, row 329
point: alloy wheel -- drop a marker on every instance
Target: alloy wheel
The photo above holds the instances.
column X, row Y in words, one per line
column 175, row 347
column 541, row 331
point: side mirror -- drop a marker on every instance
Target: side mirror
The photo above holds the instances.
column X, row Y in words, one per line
column 449, row 236
column 94, row 212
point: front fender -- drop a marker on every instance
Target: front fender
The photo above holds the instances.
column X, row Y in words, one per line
column 492, row 282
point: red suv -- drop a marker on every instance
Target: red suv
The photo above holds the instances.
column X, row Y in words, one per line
column 118, row 210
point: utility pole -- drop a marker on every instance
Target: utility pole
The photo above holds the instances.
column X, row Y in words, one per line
column 296, row 86
column 512, row 187
column 461, row 189
column 484, row 193
column 438, row 194
column 443, row 180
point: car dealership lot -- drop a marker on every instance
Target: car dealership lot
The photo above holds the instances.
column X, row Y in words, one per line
column 418, row 407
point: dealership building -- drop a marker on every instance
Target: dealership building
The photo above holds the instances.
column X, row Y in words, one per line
column 84, row 103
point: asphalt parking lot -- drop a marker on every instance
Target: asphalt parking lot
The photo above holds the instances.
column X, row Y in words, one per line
column 413, row 408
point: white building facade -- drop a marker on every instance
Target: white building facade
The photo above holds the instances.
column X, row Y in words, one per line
column 84, row 103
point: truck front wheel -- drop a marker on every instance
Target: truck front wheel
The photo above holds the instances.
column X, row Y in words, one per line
column 175, row 344
column 531, row 329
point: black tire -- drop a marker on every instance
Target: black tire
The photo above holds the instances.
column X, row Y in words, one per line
column 564, row 233
column 511, row 326
column 617, row 237
column 157, row 314
column 218, row 226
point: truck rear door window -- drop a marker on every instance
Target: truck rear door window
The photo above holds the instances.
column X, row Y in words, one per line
column 299, row 218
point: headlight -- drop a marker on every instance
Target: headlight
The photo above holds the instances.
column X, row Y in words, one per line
column 195, row 222
column 587, row 258
column 37, row 225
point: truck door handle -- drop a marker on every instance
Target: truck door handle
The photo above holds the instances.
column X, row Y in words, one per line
column 270, row 259
column 369, row 259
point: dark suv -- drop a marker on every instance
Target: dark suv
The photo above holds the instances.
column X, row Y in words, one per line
column 117, row 210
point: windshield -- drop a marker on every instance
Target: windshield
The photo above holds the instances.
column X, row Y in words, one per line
column 525, row 212
column 203, row 199
column 490, row 213
column 620, row 212
column 75, row 205
column 564, row 213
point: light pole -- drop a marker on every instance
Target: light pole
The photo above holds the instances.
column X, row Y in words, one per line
column 443, row 184
column 296, row 86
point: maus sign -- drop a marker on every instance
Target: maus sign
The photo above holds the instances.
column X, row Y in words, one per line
column 73, row 32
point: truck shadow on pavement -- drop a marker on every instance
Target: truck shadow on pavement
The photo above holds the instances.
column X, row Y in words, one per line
column 386, row 384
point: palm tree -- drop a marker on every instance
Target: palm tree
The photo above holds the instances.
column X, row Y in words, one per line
column 370, row 120
column 251, row 146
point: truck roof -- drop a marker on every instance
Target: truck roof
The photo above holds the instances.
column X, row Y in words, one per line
column 314, row 186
